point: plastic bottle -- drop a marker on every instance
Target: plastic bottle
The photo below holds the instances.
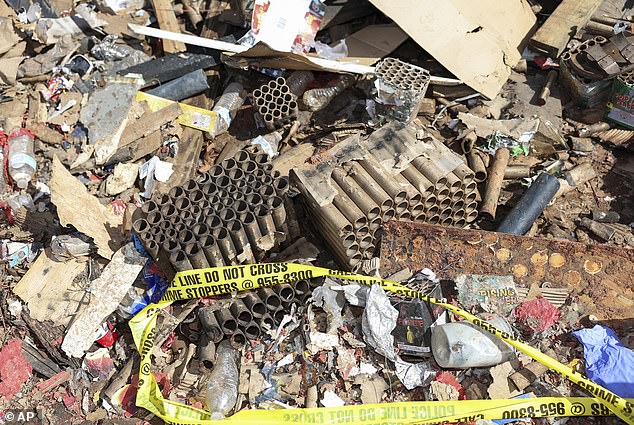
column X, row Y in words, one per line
column 22, row 163
column 222, row 390
column 318, row 99
column 227, row 106
column 463, row 345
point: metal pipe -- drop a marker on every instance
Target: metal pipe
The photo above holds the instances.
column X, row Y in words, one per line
column 248, row 166
column 302, row 287
column 415, row 198
column 348, row 239
column 227, row 214
column 471, row 196
column 513, row 172
column 445, row 213
column 447, row 221
column 417, row 179
column 196, row 196
column 470, row 186
column 140, row 226
column 252, row 229
column 336, row 219
column 163, row 200
column 405, row 215
column 370, row 187
column 186, row 237
column 494, row 183
column 190, row 185
column 276, row 206
column 222, row 182
column 266, row 191
column 196, row 256
column 148, row 207
column 216, row 171
column 464, row 173
column 476, row 163
column 443, row 202
column 210, row 325
column 235, row 174
column 240, row 312
column 544, row 94
column 229, row 164
column 179, row 261
column 453, row 182
column 365, row 242
column 226, row 321
column 182, row 204
column 401, row 207
column 164, row 225
column 375, row 224
column 434, row 219
column 278, row 315
column 255, row 305
column 253, row 199
column 265, row 220
column 168, row 211
column 240, row 241
column 240, row 157
column 206, row 351
column 430, row 170
column 196, row 213
column 281, row 185
column 270, row 299
column 417, row 209
column 251, row 331
column 422, row 217
column 285, row 291
column 177, row 192
column 267, row 321
column 374, row 169
column 530, row 205
column 457, row 195
column 429, row 200
column 213, row 222
column 457, row 204
column 211, row 250
column 388, row 215
column 223, row 239
column 152, row 248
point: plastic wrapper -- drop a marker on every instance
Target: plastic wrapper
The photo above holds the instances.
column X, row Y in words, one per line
column 227, row 106
column 399, row 91
column 336, row 52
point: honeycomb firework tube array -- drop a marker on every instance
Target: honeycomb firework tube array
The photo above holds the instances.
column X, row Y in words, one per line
column 230, row 215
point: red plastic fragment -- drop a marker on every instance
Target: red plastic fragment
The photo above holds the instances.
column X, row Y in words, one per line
column 15, row 369
column 537, row 314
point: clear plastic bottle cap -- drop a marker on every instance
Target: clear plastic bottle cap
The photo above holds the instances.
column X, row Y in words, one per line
column 22, row 180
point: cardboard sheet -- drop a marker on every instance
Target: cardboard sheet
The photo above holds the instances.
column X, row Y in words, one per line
column 477, row 41
column 374, row 42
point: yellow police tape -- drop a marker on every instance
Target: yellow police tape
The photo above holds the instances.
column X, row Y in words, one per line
column 230, row 279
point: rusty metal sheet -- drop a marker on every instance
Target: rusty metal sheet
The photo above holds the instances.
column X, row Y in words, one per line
column 602, row 276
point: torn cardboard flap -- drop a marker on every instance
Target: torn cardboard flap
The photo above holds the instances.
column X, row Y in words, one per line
column 77, row 207
column 49, row 290
column 479, row 42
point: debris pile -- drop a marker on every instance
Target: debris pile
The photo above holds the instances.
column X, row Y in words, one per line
column 316, row 212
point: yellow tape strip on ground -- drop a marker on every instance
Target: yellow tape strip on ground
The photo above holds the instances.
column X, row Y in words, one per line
column 230, row 279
